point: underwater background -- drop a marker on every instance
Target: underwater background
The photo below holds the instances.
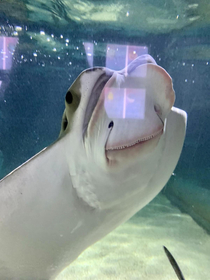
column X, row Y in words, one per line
column 44, row 45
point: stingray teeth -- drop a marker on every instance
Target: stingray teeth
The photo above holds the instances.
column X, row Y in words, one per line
column 137, row 142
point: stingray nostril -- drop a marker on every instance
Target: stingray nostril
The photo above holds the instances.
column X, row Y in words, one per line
column 65, row 123
column 111, row 124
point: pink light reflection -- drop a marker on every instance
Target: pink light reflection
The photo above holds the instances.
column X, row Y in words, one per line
column 119, row 57
column 7, row 48
column 124, row 103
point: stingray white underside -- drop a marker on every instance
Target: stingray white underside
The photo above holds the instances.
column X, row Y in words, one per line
column 60, row 202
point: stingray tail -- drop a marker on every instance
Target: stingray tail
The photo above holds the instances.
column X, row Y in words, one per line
column 174, row 264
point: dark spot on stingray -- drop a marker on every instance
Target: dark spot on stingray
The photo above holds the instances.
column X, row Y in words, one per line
column 69, row 97
column 94, row 69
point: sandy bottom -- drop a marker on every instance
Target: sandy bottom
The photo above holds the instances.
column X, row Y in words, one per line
column 135, row 249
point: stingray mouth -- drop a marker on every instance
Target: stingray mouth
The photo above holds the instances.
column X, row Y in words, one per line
column 140, row 141
column 132, row 150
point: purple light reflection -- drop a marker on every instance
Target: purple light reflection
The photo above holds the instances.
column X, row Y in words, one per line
column 7, row 47
column 125, row 103
column 122, row 102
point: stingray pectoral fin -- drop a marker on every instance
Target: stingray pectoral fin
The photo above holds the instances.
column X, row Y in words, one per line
column 175, row 130
column 36, row 202
column 32, row 179
column 174, row 136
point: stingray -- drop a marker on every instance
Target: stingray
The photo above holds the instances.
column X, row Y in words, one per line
column 119, row 143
